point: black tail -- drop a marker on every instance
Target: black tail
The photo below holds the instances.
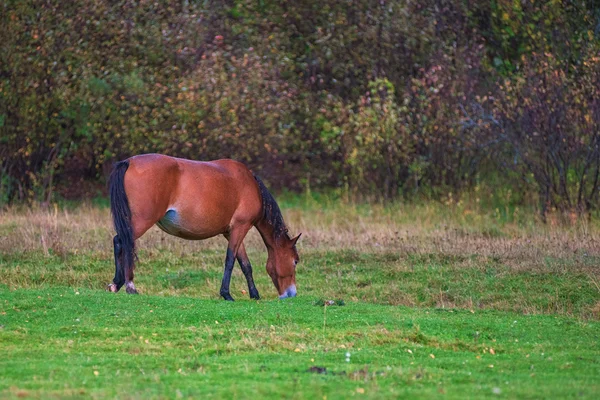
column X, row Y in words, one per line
column 119, row 207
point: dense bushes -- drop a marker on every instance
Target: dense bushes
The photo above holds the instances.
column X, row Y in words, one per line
column 385, row 99
column 550, row 120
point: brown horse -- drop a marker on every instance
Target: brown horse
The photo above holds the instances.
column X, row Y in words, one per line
column 198, row 200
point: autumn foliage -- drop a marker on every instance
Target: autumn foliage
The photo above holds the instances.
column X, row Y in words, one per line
column 381, row 99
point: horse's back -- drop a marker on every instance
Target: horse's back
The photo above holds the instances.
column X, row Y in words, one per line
column 190, row 199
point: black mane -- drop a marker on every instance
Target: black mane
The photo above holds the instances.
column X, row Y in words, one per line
column 271, row 211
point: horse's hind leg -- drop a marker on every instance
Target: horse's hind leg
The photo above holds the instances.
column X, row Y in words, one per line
column 123, row 273
column 244, row 262
column 129, row 286
column 119, row 278
column 139, row 226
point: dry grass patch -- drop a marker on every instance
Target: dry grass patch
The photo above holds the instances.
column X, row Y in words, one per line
column 403, row 229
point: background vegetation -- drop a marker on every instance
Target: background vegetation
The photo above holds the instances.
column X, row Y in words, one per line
column 379, row 99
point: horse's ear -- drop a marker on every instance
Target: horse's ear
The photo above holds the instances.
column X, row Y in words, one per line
column 295, row 240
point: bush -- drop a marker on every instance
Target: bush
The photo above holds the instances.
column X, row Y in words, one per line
column 383, row 99
column 550, row 121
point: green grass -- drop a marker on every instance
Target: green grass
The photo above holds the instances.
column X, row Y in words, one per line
column 74, row 342
column 440, row 281
column 63, row 336
column 439, row 299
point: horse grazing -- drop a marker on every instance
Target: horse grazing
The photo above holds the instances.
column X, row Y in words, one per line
column 198, row 200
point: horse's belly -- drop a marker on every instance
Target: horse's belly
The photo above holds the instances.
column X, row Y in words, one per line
column 173, row 224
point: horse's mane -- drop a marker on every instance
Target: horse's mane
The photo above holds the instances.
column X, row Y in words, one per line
column 271, row 211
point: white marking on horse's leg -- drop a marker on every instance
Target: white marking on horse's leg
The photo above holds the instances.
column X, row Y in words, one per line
column 112, row 288
column 130, row 287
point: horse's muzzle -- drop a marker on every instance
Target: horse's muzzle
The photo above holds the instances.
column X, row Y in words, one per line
column 289, row 292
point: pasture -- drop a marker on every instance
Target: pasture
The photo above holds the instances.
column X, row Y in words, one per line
column 428, row 300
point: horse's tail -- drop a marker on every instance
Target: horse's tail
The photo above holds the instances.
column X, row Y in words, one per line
column 121, row 213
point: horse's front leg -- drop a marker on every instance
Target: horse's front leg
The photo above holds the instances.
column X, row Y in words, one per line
column 235, row 237
column 229, row 261
column 246, row 267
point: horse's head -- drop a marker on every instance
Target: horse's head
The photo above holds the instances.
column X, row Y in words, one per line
column 281, row 266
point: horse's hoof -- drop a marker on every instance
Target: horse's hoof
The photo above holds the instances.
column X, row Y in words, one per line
column 227, row 296
column 111, row 287
column 255, row 295
column 130, row 288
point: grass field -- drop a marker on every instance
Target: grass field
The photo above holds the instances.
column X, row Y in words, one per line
column 432, row 300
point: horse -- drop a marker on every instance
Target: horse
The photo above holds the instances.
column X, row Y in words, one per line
column 197, row 200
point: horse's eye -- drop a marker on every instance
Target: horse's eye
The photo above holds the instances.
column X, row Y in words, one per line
column 295, row 263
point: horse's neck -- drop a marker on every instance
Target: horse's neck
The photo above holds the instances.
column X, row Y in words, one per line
column 267, row 233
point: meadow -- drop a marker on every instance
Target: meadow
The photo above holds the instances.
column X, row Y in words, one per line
column 422, row 300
